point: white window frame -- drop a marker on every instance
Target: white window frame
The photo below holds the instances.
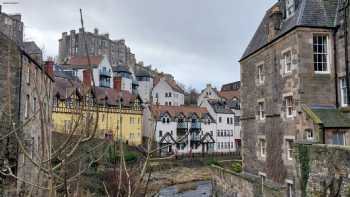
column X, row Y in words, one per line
column 344, row 137
column 343, row 92
column 262, row 181
column 262, row 114
column 290, row 186
column 328, row 53
column 309, row 137
column 284, row 55
column 290, row 6
column 289, row 106
column 289, row 149
column 262, row 147
column 260, row 70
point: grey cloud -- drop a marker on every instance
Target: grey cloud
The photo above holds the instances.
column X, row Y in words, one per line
column 198, row 41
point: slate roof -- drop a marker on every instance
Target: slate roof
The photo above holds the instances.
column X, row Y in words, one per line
column 332, row 118
column 308, row 13
column 121, row 69
column 64, row 88
column 143, row 73
column 220, row 107
column 31, row 48
column 231, row 86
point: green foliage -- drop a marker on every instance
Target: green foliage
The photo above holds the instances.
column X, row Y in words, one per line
column 130, row 156
column 303, row 157
column 213, row 162
column 237, row 167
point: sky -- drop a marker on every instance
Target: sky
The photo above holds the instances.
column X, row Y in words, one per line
column 197, row 41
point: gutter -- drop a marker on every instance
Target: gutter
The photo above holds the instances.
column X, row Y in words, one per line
column 335, row 66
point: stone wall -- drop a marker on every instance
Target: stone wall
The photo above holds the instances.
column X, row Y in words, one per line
column 227, row 183
column 324, row 169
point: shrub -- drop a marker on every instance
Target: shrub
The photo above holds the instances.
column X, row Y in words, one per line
column 213, row 162
column 237, row 167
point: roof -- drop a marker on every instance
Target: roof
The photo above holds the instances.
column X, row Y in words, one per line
column 143, row 73
column 229, row 95
column 59, row 72
column 172, row 84
column 120, row 69
column 174, row 111
column 31, row 48
column 231, row 86
column 328, row 117
column 220, row 107
column 308, row 13
column 81, row 62
column 64, row 88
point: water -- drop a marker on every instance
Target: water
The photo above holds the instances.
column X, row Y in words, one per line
column 199, row 189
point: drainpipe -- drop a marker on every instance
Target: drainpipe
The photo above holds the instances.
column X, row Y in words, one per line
column 335, row 66
column 346, row 48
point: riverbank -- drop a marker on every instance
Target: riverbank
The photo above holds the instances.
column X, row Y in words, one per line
column 183, row 176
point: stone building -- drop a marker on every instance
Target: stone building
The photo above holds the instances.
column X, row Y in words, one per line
column 117, row 51
column 12, row 26
column 230, row 91
column 25, row 91
column 294, row 88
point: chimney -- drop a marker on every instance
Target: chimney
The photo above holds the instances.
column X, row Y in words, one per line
column 275, row 21
column 117, row 84
column 72, row 32
column 87, row 79
column 48, row 67
column 96, row 31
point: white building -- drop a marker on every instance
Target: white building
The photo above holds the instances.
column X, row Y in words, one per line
column 167, row 92
column 78, row 66
column 123, row 78
column 145, row 81
column 209, row 93
column 227, row 133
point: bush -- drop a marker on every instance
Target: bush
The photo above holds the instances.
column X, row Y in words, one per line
column 213, row 162
column 237, row 167
column 130, row 156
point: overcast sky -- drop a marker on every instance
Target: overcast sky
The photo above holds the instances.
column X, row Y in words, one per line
column 198, row 41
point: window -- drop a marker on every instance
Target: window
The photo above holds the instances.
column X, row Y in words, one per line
column 262, row 143
column 228, row 120
column 169, row 103
column 28, row 75
column 261, row 74
column 26, row 109
column 163, row 120
column 289, row 106
column 220, row 119
column 339, row 138
column 320, row 48
column 343, row 92
column 287, row 58
column 290, row 8
column 34, row 105
column 289, row 147
column 237, row 120
column 309, row 134
column 262, row 181
column 160, row 133
column 261, row 111
column 289, row 188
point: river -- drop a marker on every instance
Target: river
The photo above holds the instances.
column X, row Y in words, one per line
column 195, row 189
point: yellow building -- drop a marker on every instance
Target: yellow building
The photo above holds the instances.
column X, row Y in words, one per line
column 119, row 113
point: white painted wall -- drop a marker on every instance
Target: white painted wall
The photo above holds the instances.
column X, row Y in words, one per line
column 145, row 90
column 159, row 91
column 207, row 93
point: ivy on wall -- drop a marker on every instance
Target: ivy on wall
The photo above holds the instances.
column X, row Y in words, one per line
column 303, row 157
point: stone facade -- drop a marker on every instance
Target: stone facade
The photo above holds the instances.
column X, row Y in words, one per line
column 12, row 26
column 278, row 78
column 98, row 44
column 25, row 98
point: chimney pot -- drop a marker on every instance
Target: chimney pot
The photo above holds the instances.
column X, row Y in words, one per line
column 48, row 67
column 87, row 79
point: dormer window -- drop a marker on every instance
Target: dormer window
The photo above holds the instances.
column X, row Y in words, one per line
column 290, row 8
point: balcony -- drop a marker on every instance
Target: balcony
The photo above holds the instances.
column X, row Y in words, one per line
column 105, row 84
column 182, row 125
column 105, row 73
column 195, row 138
column 196, row 125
